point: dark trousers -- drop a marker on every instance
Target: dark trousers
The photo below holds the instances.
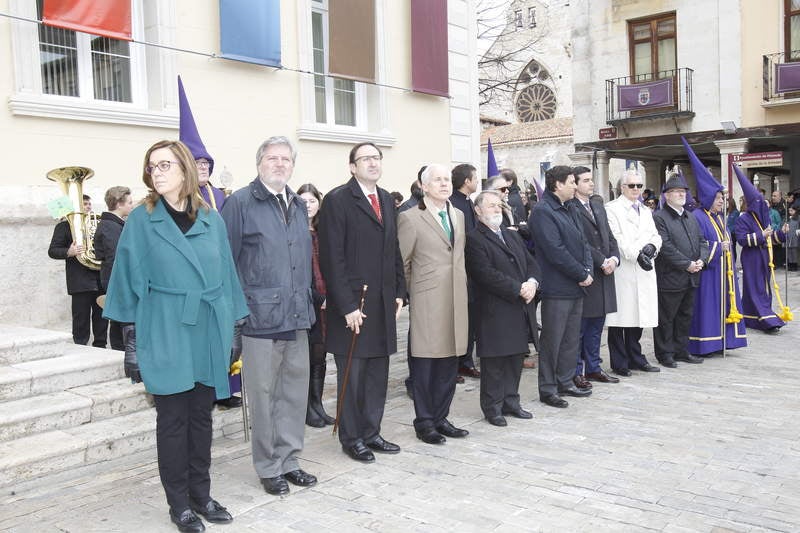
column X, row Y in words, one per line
column 500, row 384
column 434, row 387
column 85, row 311
column 624, row 348
column 183, row 440
column 466, row 360
column 115, row 335
column 361, row 410
column 589, row 353
column 675, row 311
column 558, row 344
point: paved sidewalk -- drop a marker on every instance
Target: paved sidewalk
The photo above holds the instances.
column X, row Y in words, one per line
column 712, row 447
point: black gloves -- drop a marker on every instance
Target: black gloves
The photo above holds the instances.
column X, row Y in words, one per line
column 236, row 347
column 131, row 364
column 645, row 258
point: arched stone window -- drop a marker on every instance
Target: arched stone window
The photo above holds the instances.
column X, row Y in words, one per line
column 535, row 98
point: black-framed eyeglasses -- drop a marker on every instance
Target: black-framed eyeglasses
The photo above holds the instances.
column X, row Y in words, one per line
column 634, row 185
column 369, row 158
column 163, row 166
column 502, row 189
column 202, row 164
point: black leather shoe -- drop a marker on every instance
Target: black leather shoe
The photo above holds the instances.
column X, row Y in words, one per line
column 667, row 362
column 647, row 367
column 276, row 486
column 470, row 372
column 213, row 512
column 359, row 452
column 622, row 372
column 497, row 420
column 449, row 430
column 602, row 377
column 229, row 403
column 187, row 521
column 575, row 392
column 689, row 358
column 300, row 478
column 554, row 401
column 383, row 446
column 431, row 436
column 519, row 413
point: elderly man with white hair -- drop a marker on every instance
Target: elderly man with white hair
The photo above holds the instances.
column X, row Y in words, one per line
column 636, row 291
column 432, row 238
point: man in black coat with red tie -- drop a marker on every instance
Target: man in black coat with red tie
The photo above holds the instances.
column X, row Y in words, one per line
column 358, row 246
column 504, row 280
column 600, row 298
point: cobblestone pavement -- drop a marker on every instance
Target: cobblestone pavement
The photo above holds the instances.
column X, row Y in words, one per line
column 711, row 447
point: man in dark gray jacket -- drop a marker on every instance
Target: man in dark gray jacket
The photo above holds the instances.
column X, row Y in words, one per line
column 678, row 265
column 271, row 245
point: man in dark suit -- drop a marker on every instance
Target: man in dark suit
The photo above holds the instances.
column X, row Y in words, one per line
column 566, row 271
column 504, row 279
column 601, row 297
column 358, row 246
column 465, row 183
column 683, row 254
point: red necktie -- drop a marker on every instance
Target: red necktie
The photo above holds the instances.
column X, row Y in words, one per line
column 373, row 199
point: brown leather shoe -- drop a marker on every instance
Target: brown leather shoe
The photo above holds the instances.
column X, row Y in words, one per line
column 602, row 377
column 581, row 382
column 468, row 371
column 528, row 362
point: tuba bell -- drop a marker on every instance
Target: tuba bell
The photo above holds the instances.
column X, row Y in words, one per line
column 83, row 225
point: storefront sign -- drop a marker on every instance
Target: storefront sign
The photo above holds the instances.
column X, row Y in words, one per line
column 759, row 159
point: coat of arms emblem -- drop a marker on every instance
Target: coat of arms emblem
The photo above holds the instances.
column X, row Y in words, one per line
column 644, row 96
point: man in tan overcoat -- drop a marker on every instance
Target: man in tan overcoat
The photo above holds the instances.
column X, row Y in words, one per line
column 432, row 237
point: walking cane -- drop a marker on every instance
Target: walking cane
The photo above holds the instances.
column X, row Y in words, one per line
column 346, row 376
column 785, row 249
column 723, row 273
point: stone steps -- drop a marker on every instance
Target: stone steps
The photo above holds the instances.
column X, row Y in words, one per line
column 19, row 344
column 53, row 451
column 64, row 406
column 77, row 365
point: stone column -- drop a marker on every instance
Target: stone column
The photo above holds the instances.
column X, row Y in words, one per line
column 727, row 147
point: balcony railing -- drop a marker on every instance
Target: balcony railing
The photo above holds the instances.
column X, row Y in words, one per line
column 667, row 95
column 781, row 77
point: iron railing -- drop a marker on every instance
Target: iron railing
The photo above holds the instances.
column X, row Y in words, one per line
column 770, row 86
column 682, row 97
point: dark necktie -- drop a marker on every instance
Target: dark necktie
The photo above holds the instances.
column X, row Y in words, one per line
column 373, row 199
column 589, row 210
column 283, row 208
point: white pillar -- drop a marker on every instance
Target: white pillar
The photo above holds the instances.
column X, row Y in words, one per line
column 728, row 147
column 601, row 176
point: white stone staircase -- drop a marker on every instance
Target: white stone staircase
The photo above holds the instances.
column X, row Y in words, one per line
column 63, row 406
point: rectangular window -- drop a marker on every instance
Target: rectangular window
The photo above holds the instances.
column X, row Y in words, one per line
column 78, row 64
column 531, row 17
column 518, row 18
column 791, row 29
column 653, row 47
column 334, row 99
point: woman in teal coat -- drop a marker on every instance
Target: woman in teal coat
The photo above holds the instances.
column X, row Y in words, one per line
column 175, row 287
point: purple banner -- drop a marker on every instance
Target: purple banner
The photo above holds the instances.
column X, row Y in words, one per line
column 645, row 95
column 787, row 77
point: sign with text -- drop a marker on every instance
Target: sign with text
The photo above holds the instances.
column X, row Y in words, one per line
column 759, row 159
column 607, row 133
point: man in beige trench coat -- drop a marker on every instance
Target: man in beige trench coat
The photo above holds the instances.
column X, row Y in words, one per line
column 432, row 237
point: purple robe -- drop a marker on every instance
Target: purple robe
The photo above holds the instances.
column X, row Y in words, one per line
column 219, row 196
column 756, row 275
column 705, row 333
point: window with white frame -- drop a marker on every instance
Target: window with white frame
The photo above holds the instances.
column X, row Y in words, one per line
column 74, row 75
column 335, row 100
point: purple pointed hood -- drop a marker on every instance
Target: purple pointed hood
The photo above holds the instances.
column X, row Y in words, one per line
column 756, row 203
column 491, row 163
column 707, row 186
column 188, row 130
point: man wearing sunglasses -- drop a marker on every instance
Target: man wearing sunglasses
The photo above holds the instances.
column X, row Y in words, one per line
column 635, row 280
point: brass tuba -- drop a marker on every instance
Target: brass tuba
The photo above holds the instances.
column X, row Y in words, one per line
column 83, row 225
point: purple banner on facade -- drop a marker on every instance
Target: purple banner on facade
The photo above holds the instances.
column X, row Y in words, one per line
column 787, row 77
column 645, row 95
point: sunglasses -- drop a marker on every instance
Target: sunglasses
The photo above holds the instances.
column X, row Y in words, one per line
column 635, row 185
column 502, row 189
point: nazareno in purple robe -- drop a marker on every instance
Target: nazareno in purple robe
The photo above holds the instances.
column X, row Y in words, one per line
column 219, row 196
column 756, row 275
column 712, row 302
